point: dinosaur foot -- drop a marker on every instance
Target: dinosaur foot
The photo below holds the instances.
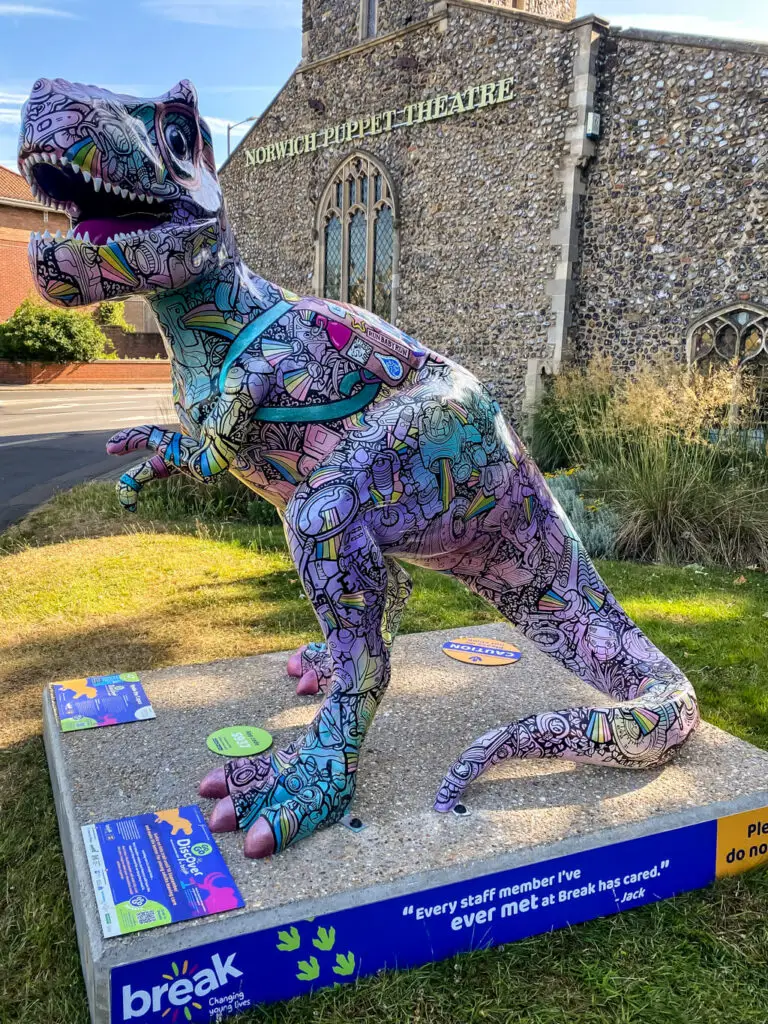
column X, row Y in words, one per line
column 290, row 796
column 241, row 774
column 313, row 667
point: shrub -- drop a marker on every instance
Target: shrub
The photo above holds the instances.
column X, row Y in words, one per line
column 41, row 332
column 112, row 314
column 596, row 524
column 676, row 454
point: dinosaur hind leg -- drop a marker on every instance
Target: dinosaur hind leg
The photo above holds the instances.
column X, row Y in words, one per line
column 576, row 620
column 312, row 664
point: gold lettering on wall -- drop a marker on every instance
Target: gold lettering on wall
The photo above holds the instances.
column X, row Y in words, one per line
column 435, row 108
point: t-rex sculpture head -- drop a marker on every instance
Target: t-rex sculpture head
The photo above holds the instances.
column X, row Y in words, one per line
column 138, row 179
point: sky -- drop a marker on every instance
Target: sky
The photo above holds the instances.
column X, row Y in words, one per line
column 237, row 52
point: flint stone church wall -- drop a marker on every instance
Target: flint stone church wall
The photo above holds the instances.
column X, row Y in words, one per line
column 478, row 193
column 525, row 246
column 675, row 216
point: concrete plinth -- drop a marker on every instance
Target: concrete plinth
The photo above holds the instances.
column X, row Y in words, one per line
column 544, row 844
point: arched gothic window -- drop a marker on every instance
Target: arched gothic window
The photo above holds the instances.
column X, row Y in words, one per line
column 357, row 237
column 737, row 333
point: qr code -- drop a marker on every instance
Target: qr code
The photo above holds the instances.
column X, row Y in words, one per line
column 146, row 917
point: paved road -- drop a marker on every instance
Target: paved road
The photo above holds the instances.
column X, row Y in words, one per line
column 51, row 438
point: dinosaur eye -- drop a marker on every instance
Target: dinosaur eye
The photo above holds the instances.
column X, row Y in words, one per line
column 177, row 142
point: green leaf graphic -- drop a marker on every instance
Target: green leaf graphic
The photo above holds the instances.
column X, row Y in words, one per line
column 289, row 940
column 308, row 969
column 346, row 964
column 325, row 938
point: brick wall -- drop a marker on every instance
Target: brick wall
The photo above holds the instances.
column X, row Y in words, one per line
column 102, row 371
column 15, row 278
column 16, row 223
column 23, row 218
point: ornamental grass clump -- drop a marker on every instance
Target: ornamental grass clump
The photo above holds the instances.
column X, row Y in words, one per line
column 678, row 455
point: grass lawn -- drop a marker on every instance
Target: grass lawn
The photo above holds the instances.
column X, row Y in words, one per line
column 84, row 590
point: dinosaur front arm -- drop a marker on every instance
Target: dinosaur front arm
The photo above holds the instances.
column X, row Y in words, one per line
column 221, row 434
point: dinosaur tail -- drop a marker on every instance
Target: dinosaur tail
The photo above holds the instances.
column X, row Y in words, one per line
column 576, row 620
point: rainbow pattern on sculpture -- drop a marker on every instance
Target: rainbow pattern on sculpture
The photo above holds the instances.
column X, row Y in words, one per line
column 372, row 447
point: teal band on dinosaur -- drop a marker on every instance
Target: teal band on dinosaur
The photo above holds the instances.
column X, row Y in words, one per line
column 249, row 334
column 338, row 410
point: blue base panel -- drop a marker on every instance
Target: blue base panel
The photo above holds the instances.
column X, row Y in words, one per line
column 219, row 980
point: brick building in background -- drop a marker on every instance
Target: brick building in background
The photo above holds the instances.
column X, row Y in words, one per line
column 20, row 214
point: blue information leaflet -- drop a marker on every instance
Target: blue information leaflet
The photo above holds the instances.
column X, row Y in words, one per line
column 224, row 978
column 101, row 700
column 153, row 869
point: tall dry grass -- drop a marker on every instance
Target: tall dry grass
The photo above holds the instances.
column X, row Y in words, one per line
column 677, row 454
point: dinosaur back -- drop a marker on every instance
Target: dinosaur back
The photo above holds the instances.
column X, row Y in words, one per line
column 385, row 351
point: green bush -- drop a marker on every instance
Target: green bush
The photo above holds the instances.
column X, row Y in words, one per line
column 596, row 524
column 677, row 455
column 112, row 314
column 41, row 332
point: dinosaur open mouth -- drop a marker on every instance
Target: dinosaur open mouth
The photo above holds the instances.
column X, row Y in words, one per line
column 100, row 212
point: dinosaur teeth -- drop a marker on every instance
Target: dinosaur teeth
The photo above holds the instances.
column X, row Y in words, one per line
column 86, row 176
column 124, row 193
column 58, row 237
column 71, row 233
column 107, row 187
column 96, row 182
column 64, row 161
column 86, row 237
column 131, row 196
column 76, row 168
column 150, row 199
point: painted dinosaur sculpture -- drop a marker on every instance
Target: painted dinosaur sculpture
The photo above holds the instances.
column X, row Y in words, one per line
column 370, row 445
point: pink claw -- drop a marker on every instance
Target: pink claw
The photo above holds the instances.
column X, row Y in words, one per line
column 259, row 842
column 294, row 662
column 214, row 784
column 223, row 817
column 308, row 684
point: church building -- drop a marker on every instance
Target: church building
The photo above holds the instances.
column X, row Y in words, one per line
column 515, row 187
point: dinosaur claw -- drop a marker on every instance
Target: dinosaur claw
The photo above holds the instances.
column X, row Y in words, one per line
column 294, row 662
column 259, row 842
column 223, row 817
column 214, row 784
column 308, row 684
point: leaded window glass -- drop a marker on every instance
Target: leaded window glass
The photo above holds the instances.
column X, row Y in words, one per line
column 368, row 19
column 383, row 241
column 333, row 257
column 357, row 237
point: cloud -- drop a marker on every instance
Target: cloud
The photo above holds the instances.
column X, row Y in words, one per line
column 29, row 11
column 255, row 14
column 756, row 28
column 10, row 106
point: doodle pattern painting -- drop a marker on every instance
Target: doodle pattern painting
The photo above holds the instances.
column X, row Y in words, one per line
column 373, row 448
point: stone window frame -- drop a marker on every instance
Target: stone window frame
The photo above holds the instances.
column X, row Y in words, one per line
column 741, row 318
column 365, row 162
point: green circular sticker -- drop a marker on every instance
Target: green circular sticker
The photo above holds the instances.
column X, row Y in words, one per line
column 239, row 741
